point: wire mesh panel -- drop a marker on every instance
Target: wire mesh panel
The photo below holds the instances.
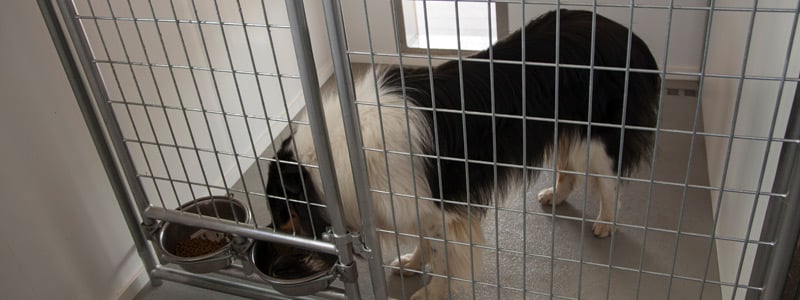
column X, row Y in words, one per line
column 197, row 98
column 496, row 149
column 688, row 220
column 188, row 91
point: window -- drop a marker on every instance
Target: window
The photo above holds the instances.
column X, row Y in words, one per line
column 474, row 24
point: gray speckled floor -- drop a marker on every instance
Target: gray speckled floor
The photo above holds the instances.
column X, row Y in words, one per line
column 570, row 241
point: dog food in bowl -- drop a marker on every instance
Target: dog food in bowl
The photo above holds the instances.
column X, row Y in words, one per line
column 201, row 243
column 196, row 249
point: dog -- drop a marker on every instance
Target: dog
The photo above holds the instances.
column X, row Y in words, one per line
column 443, row 143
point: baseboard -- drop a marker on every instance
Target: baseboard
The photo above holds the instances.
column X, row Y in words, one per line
column 137, row 282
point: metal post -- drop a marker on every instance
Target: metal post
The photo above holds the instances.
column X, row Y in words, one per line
column 316, row 118
column 782, row 219
column 344, row 84
column 104, row 150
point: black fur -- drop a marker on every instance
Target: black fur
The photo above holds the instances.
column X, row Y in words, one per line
column 454, row 180
column 290, row 191
column 539, row 89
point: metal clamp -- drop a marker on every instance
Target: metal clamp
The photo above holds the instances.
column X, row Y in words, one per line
column 240, row 246
column 360, row 248
column 151, row 230
column 348, row 273
column 354, row 238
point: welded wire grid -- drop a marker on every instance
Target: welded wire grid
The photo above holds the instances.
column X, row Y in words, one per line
column 204, row 89
column 660, row 247
column 200, row 93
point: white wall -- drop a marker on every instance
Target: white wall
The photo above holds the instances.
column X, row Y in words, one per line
column 766, row 58
column 686, row 36
column 63, row 235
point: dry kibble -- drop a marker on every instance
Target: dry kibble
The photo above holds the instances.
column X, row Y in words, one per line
column 198, row 246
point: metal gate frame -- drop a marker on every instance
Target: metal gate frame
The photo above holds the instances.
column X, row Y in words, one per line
column 73, row 49
column 771, row 265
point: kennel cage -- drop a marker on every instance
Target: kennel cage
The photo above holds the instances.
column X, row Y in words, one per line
column 186, row 101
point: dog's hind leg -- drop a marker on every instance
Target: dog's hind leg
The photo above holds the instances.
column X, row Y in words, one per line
column 564, row 182
column 454, row 263
column 564, row 185
column 601, row 164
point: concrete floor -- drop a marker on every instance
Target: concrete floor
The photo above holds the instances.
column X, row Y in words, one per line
column 546, row 236
column 565, row 276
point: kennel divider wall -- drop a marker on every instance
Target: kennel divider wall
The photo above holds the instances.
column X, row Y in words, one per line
column 132, row 196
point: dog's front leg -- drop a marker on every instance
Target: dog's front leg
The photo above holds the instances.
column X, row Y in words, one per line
column 412, row 262
column 453, row 259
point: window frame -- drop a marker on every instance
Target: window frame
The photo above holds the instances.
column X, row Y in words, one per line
column 501, row 14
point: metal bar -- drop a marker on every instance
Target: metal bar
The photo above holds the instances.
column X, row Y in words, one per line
column 282, row 90
column 379, row 106
column 639, row 227
column 466, row 148
column 240, row 288
column 241, row 105
column 618, row 184
column 729, row 147
column 597, row 124
column 398, row 43
column 166, row 117
column 194, row 147
column 764, row 161
column 554, row 162
column 784, row 230
column 435, row 138
column 212, row 223
column 127, row 203
column 221, row 107
column 264, row 110
column 654, row 154
column 524, row 142
column 206, row 150
column 211, row 112
column 775, row 206
column 199, row 68
column 352, row 127
column 140, row 95
column 495, row 179
column 124, row 99
column 316, row 116
column 180, row 21
column 598, row 175
column 586, row 67
column 588, row 145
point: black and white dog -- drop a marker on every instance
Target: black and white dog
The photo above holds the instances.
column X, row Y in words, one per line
column 471, row 126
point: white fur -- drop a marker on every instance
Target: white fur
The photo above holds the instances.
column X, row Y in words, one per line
column 572, row 157
column 372, row 130
column 387, row 129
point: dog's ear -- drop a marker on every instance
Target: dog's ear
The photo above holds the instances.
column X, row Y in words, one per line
column 291, row 173
column 292, row 178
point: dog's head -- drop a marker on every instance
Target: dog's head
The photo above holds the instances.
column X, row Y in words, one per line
column 294, row 201
column 295, row 207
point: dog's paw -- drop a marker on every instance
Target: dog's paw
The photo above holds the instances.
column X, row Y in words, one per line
column 546, row 197
column 602, row 230
column 408, row 265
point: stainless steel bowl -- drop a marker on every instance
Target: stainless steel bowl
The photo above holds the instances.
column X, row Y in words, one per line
column 263, row 257
column 170, row 234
